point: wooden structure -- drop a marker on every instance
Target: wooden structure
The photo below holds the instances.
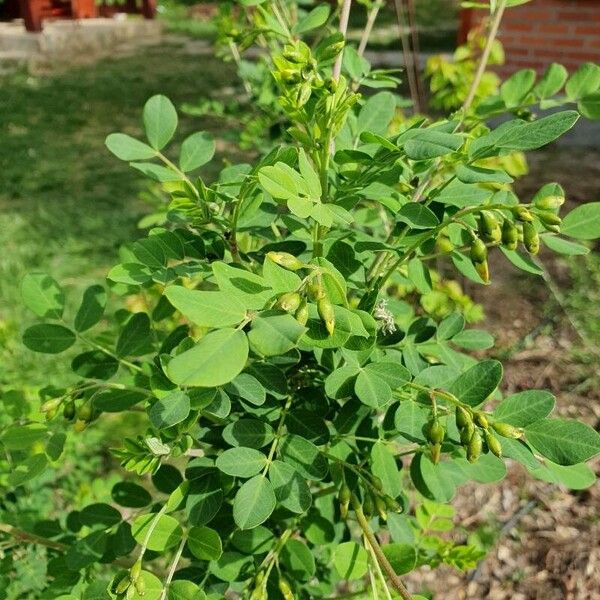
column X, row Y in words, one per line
column 541, row 32
column 34, row 12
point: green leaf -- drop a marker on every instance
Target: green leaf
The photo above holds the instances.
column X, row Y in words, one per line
column 278, row 182
column 215, row 360
column 585, row 81
column 127, row 148
column 309, row 175
column 253, row 541
column 157, row 172
column 205, row 497
column 274, row 333
column 514, row 90
column 376, row 114
column 419, row 274
column 372, row 390
column 417, row 216
column 573, row 477
column 253, row 503
column 95, row 364
column 410, row 418
column 291, row 489
column 402, row 557
column 246, row 386
column 470, row 174
column 131, row 495
column 383, row 465
column 315, row 18
column 91, row 308
column 298, row 559
column 48, row 338
column 429, row 143
column 536, row 134
column 21, row 437
column 135, row 338
column 152, row 587
column 241, row 462
column 565, row 247
column 180, row 589
column 99, row 514
column 204, row 543
column 130, row 274
column 170, row 410
column 86, row 551
column 42, row 295
column 251, row 433
column 475, row 385
column 160, row 121
column 522, row 261
column 589, row 106
column 164, row 531
column 250, row 289
column 432, row 481
column 28, row 469
column 563, row 441
column 551, row 82
column 474, row 339
column 196, row 151
column 524, row 408
column 206, row 309
column 304, row 456
column 114, row 401
column 351, row 561
column 451, row 326
column 583, row 222
column 232, row 566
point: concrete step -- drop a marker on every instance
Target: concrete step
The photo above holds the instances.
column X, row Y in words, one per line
column 11, row 60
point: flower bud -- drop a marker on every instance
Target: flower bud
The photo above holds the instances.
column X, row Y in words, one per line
column 69, row 410
column 123, row 585
column 381, row 507
column 130, row 592
column 549, row 202
column 79, row 425
column 326, row 312
column 483, row 271
column 506, row 430
column 393, row 504
column 135, row 570
column 344, row 500
column 463, row 417
column 443, row 244
column 140, row 586
column 510, row 235
column 285, row 589
column 52, row 404
column 286, row 260
column 467, row 433
column 368, row 505
column 290, row 75
column 531, row 238
column 50, row 414
column 289, row 302
column 85, row 412
column 474, row 447
column 493, row 443
column 522, row 214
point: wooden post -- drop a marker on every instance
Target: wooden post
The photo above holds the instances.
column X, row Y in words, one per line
column 31, row 11
column 149, row 9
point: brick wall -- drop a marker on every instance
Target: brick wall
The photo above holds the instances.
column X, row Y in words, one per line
column 546, row 31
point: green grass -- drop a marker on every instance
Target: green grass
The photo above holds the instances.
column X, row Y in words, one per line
column 66, row 204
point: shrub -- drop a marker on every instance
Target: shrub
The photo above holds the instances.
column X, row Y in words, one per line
column 299, row 427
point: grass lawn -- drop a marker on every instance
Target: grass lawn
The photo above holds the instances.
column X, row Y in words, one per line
column 66, row 204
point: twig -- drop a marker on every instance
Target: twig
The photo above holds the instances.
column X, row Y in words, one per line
column 364, row 40
column 343, row 28
column 173, row 568
column 381, row 558
column 483, row 61
column 408, row 58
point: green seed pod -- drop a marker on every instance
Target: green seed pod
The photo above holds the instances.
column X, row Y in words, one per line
column 381, row 507
column 85, row 412
column 531, row 238
column 436, row 432
column 377, row 483
column 290, row 301
column 302, row 313
column 444, row 245
column 285, row 589
column 506, row 430
column 474, row 447
column 481, row 420
column 393, row 504
column 489, row 229
column 344, row 500
column 463, row 417
column 315, row 291
column 510, row 235
column 50, row 414
column 52, row 404
column 260, row 577
column 123, row 585
column 522, row 214
column 483, row 270
column 549, row 202
column 436, row 452
column 286, row 260
column 69, row 410
column 130, row 593
column 327, row 314
column 548, row 217
column 478, row 251
column 368, row 505
column 79, row 425
column 140, row 586
column 135, row 570
column 467, row 433
column 493, row 443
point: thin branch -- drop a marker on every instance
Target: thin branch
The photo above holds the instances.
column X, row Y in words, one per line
column 173, row 568
column 406, row 52
column 364, row 40
column 381, row 558
column 483, row 61
column 343, row 28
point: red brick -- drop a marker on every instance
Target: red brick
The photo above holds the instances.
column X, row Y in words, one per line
column 551, row 28
column 588, row 29
column 576, row 42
